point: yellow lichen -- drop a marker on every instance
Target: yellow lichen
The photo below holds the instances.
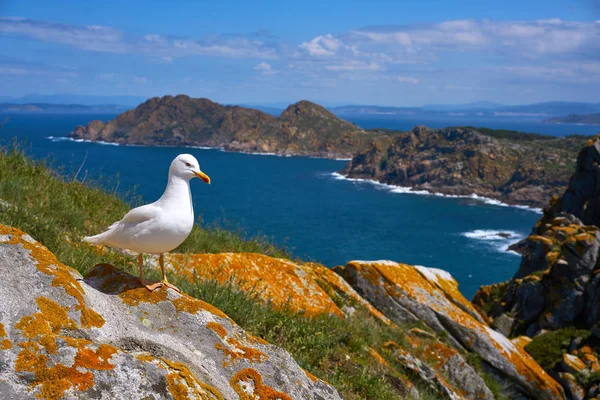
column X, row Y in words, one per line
column 184, row 385
column 250, row 378
column 5, row 344
column 217, row 328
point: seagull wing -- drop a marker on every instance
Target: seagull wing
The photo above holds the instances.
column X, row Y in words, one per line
column 139, row 214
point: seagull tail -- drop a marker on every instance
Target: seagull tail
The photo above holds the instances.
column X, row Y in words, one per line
column 96, row 239
column 101, row 237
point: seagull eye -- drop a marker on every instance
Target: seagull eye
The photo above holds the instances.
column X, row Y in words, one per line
column 187, row 164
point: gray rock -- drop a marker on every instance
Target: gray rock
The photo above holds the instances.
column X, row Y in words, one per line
column 107, row 337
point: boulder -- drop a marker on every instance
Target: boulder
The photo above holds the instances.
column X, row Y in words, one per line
column 105, row 336
column 407, row 294
column 309, row 288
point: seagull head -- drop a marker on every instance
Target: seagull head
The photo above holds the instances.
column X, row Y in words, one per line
column 186, row 167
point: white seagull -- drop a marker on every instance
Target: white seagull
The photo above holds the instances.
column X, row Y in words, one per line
column 161, row 226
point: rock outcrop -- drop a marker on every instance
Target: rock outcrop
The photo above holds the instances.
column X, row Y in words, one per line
column 513, row 167
column 105, row 336
column 303, row 128
column 409, row 294
column 558, row 282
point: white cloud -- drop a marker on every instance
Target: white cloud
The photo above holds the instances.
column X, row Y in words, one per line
column 167, row 60
column 355, row 66
column 111, row 40
column 408, row 79
column 322, row 46
column 265, row 69
column 139, row 79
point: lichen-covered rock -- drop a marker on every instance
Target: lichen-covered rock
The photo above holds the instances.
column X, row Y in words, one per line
column 572, row 364
column 573, row 389
column 448, row 363
column 105, row 336
column 405, row 293
column 557, row 282
column 309, row 288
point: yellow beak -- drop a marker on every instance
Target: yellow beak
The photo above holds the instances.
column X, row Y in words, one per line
column 202, row 176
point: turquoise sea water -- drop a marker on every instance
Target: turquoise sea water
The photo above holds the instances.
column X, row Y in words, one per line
column 300, row 203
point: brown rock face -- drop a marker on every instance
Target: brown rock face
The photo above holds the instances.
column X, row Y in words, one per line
column 582, row 198
column 516, row 168
column 303, row 128
column 557, row 284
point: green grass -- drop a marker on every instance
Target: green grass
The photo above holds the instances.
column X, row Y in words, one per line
column 58, row 211
column 547, row 349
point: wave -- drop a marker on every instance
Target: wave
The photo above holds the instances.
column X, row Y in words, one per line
column 499, row 240
column 65, row 138
column 410, row 190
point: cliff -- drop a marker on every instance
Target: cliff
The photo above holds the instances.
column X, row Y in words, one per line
column 513, row 167
column 556, row 287
column 303, row 128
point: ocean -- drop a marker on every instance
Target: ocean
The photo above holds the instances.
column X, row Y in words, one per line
column 301, row 202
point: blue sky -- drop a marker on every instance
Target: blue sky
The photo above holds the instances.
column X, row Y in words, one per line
column 386, row 52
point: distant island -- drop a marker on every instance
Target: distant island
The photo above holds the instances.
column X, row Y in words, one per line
column 585, row 119
column 304, row 128
column 514, row 167
column 60, row 108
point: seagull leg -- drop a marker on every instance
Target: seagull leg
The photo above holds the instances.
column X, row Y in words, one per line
column 142, row 280
column 165, row 282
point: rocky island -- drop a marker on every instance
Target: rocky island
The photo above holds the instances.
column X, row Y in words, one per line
column 584, row 119
column 513, row 167
column 303, row 128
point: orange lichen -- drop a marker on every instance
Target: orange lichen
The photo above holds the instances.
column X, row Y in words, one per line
column 375, row 354
column 235, row 350
column 48, row 264
column 145, row 357
column 135, row 296
column 310, row 376
column 217, row 328
column 5, row 344
column 54, row 380
column 46, row 324
column 438, row 354
column 326, row 277
column 248, row 384
column 184, row 385
column 192, row 306
column 280, row 282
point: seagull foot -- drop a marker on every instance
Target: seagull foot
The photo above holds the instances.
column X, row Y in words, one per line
column 157, row 285
column 169, row 285
column 153, row 286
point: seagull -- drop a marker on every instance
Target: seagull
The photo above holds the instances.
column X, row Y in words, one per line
column 161, row 226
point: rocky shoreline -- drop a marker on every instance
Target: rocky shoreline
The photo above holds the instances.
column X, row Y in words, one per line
column 524, row 170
